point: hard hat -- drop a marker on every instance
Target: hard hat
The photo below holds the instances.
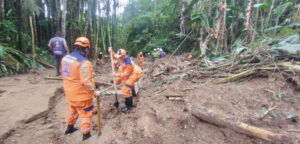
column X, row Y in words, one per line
column 83, row 42
column 120, row 52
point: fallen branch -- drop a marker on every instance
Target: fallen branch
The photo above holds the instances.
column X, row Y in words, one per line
column 106, row 89
column 212, row 117
column 46, row 64
column 266, row 112
column 236, row 77
column 159, row 73
column 102, row 83
column 118, row 92
column 181, row 44
column 52, row 78
column 176, row 99
column 169, row 96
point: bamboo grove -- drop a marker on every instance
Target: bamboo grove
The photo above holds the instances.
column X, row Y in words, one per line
column 208, row 27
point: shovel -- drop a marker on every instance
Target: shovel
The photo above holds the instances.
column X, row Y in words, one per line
column 116, row 104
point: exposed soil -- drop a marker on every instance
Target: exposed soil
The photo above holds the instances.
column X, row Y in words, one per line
column 33, row 110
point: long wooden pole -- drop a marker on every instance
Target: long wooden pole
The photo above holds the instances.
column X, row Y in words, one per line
column 181, row 44
column 99, row 116
column 32, row 36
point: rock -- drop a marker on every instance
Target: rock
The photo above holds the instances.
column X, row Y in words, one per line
column 289, row 40
column 289, row 48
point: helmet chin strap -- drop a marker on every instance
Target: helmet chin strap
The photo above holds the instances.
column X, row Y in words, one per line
column 86, row 52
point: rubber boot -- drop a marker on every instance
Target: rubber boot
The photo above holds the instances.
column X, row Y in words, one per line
column 70, row 129
column 128, row 103
column 133, row 92
column 86, row 136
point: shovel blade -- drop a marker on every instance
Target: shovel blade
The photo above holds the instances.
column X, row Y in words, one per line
column 116, row 104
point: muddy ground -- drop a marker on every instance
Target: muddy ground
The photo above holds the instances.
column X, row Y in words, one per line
column 33, row 110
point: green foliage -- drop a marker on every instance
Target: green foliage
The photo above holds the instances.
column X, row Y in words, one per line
column 196, row 53
column 8, row 32
column 261, row 5
column 13, row 61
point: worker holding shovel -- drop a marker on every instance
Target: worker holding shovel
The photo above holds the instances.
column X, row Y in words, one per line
column 77, row 73
column 128, row 74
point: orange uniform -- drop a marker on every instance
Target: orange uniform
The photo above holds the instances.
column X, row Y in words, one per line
column 141, row 59
column 77, row 73
column 128, row 74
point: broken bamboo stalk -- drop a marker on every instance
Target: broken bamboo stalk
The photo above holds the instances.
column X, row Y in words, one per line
column 290, row 66
column 176, row 99
column 236, row 76
column 266, row 112
column 52, row 78
column 102, row 83
column 220, row 120
column 181, row 44
column 118, row 92
column 174, row 95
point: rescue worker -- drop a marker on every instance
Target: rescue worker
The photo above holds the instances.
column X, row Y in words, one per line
column 77, row 73
column 128, row 74
column 141, row 59
column 155, row 54
column 162, row 54
column 60, row 48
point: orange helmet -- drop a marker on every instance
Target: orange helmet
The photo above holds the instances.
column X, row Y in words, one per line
column 121, row 52
column 83, row 42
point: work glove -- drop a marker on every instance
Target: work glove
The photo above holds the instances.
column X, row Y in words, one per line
column 97, row 94
column 109, row 49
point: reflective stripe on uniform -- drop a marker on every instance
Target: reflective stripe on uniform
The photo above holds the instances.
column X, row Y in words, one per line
column 84, row 71
column 71, row 113
column 129, row 86
column 86, row 120
column 89, row 108
column 85, row 129
column 72, row 120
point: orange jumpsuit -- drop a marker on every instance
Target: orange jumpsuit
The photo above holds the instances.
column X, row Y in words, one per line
column 128, row 74
column 141, row 59
column 77, row 73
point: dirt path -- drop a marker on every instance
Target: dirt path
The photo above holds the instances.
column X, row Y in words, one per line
column 25, row 99
column 154, row 118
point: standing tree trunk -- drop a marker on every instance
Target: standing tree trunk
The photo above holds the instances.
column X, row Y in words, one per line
column 115, row 5
column 107, row 21
column 7, row 5
column 54, row 15
column 58, row 15
column 49, row 25
column 39, row 28
column 182, row 19
column 248, row 24
column 270, row 14
column 101, row 29
column 221, row 28
column 2, row 10
column 63, row 19
column 20, row 24
column 209, row 7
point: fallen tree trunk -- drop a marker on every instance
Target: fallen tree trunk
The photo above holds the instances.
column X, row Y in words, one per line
column 46, row 64
column 213, row 117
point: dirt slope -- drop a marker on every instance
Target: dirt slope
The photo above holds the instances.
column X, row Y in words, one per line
column 154, row 118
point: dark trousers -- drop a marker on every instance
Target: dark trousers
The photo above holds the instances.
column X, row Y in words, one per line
column 58, row 59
